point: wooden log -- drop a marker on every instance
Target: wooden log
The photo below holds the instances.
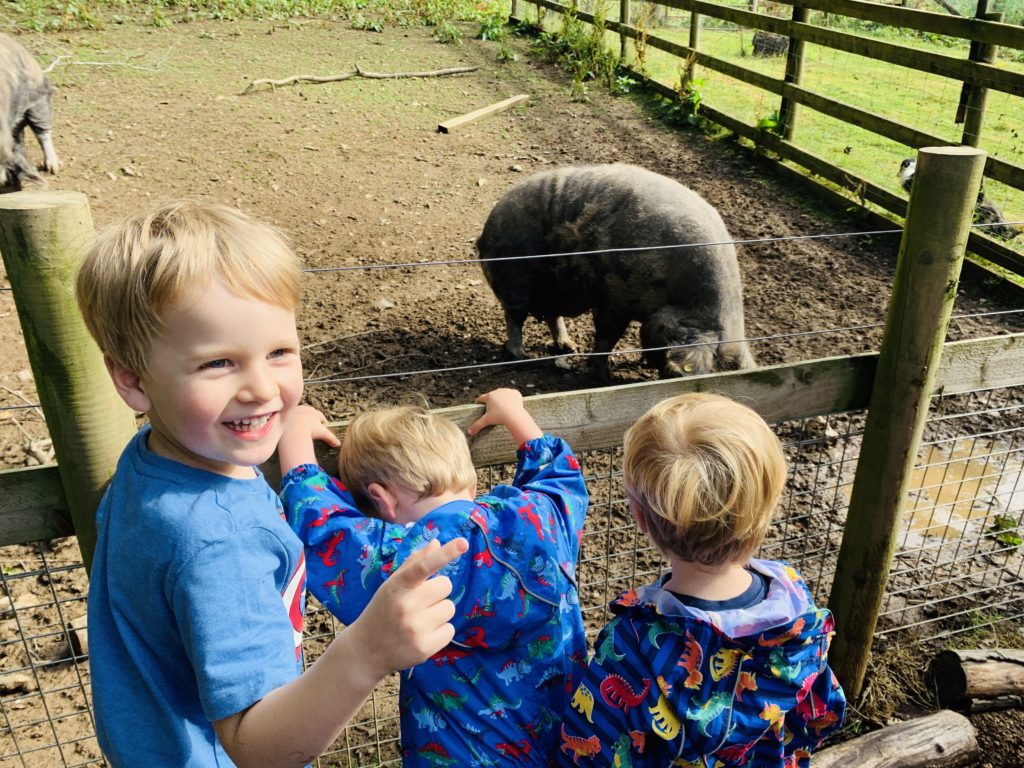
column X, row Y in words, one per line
column 944, row 738
column 963, row 676
column 458, row 122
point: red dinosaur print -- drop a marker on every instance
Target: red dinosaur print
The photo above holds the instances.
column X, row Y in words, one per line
column 617, row 692
column 475, row 638
column 520, row 750
column 579, row 746
column 324, row 514
column 571, row 461
column 448, row 656
column 478, row 517
column 328, row 553
column 476, row 611
column 527, row 513
column 483, row 559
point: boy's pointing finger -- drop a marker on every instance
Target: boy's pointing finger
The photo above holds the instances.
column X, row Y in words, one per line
column 425, row 562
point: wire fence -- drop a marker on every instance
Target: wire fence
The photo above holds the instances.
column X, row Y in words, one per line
column 959, row 566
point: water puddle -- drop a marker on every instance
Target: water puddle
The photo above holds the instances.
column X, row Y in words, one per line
column 960, row 491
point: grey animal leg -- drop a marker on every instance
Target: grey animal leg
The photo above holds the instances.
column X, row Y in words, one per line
column 560, row 335
column 52, row 163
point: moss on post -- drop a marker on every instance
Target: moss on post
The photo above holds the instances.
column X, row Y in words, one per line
column 43, row 237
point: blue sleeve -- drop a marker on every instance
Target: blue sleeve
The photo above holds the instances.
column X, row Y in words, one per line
column 345, row 550
column 243, row 644
column 547, row 469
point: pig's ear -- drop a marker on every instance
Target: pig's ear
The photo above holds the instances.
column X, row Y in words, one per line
column 128, row 385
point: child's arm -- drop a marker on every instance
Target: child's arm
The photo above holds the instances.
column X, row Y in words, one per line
column 505, row 407
column 406, row 622
column 295, row 448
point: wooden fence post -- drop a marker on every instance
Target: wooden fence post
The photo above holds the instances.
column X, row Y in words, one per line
column 971, row 111
column 691, row 61
column 794, row 74
column 625, row 18
column 931, row 253
column 43, row 237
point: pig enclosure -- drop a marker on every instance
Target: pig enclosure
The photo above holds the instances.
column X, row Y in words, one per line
column 357, row 175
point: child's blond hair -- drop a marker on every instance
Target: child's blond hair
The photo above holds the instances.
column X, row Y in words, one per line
column 140, row 267
column 405, row 446
column 706, row 473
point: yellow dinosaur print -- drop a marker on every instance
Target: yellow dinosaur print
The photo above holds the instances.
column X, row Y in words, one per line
column 665, row 723
column 583, row 702
column 723, row 663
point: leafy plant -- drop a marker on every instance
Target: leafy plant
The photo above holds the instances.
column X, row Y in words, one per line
column 770, row 123
column 623, row 84
column 493, row 27
column 365, row 24
column 447, row 32
column 506, row 54
column 1006, row 531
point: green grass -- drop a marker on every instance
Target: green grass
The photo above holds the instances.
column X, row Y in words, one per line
column 920, row 100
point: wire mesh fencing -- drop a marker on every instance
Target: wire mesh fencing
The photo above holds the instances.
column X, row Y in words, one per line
column 958, row 566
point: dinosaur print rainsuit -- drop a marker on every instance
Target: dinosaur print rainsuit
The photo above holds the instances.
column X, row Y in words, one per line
column 497, row 694
column 667, row 686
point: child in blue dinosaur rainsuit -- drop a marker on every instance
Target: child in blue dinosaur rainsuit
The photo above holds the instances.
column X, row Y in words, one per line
column 497, row 694
column 722, row 662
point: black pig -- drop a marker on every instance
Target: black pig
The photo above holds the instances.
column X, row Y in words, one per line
column 609, row 217
column 25, row 95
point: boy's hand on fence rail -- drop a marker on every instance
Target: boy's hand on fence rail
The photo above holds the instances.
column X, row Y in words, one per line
column 305, row 426
column 505, row 407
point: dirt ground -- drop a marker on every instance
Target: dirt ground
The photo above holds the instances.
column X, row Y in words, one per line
column 357, row 174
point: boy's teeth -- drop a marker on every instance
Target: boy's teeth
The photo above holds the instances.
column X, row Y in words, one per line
column 254, row 422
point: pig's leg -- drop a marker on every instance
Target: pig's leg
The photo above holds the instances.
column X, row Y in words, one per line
column 514, row 320
column 560, row 335
column 608, row 329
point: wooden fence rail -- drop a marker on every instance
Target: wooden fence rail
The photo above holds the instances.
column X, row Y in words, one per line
column 976, row 76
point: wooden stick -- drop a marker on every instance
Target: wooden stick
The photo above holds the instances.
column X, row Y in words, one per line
column 962, row 676
column 944, row 738
column 457, row 122
column 357, row 72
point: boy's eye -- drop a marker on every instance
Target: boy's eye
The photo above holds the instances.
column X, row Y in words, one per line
column 278, row 353
column 221, row 363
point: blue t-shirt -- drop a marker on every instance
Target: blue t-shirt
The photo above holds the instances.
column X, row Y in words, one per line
column 195, row 607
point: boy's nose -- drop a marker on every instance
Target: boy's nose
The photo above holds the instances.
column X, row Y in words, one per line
column 259, row 385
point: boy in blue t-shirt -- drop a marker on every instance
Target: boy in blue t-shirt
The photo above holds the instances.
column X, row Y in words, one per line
column 497, row 693
column 722, row 662
column 197, row 586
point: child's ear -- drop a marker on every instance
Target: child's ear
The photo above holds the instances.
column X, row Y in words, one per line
column 638, row 516
column 128, row 385
column 384, row 501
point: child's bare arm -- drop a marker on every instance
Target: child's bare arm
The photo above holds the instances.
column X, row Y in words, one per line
column 505, row 406
column 295, row 448
column 406, row 622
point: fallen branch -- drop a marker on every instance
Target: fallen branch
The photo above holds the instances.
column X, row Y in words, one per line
column 355, row 73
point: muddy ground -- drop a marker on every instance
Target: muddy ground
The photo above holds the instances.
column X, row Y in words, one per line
column 357, row 174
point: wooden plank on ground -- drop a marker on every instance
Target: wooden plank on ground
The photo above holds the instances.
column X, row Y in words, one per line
column 458, row 122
